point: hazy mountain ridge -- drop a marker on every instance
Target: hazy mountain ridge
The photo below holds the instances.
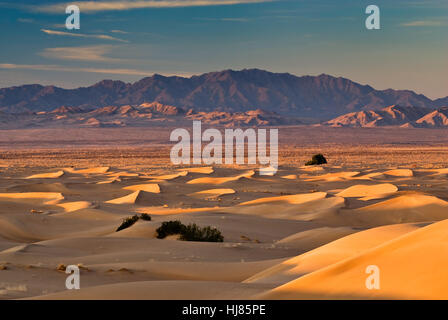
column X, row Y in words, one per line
column 394, row 116
column 145, row 115
column 322, row 97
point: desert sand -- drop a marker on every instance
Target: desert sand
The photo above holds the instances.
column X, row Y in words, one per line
column 304, row 233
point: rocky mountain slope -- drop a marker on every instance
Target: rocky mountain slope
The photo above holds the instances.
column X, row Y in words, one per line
column 145, row 114
column 321, row 97
column 394, row 116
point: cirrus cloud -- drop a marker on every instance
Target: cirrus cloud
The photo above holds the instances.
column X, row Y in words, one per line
column 425, row 23
column 81, row 35
column 87, row 53
column 96, row 6
column 46, row 67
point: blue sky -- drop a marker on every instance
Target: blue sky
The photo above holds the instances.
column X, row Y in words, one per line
column 127, row 40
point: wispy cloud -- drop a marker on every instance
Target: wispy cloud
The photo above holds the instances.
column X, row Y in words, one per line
column 44, row 67
column 96, row 6
column 224, row 19
column 119, row 31
column 425, row 23
column 58, row 26
column 81, row 35
column 87, row 53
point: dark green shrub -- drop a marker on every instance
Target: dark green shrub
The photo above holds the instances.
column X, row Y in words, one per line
column 128, row 222
column 317, row 159
column 145, row 216
column 168, row 228
column 192, row 232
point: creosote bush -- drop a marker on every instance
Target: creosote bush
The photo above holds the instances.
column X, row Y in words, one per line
column 145, row 216
column 129, row 221
column 192, row 232
column 169, row 228
column 317, row 159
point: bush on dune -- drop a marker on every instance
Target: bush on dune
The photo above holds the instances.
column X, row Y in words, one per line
column 316, row 160
column 129, row 221
column 192, row 232
column 145, row 216
column 169, row 228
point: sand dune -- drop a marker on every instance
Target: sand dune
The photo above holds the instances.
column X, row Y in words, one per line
column 77, row 205
column 138, row 230
column 149, row 187
column 51, row 175
column 203, row 170
column 290, row 177
column 33, row 197
column 162, row 290
column 291, row 199
column 41, row 187
column 170, row 176
column 370, row 176
column 306, row 232
column 305, row 207
column 399, row 173
column 331, row 253
column 401, row 274
column 314, row 238
column 312, row 168
column 221, row 180
column 410, row 207
column 139, row 197
column 97, row 170
column 211, row 193
column 336, row 176
column 366, row 192
column 108, row 181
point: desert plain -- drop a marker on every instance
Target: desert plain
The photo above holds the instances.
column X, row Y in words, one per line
column 308, row 232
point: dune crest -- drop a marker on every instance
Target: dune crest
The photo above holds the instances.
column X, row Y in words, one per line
column 331, row 253
column 211, row 193
column 97, row 170
column 77, row 205
column 411, row 207
column 368, row 192
column 138, row 197
column 399, row 173
column 150, row 187
column 203, row 170
column 402, row 275
column 336, row 176
column 217, row 180
column 52, row 175
column 169, row 176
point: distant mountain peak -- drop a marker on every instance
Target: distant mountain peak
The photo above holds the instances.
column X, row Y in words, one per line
column 395, row 115
column 322, row 97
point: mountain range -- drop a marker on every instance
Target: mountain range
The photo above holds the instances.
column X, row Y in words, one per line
column 143, row 115
column 405, row 117
column 320, row 97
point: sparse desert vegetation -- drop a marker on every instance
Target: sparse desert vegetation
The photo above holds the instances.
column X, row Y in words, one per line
column 275, row 227
column 317, row 159
column 191, row 232
column 129, row 221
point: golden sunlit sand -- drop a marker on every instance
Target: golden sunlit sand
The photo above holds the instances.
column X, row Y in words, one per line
column 304, row 233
